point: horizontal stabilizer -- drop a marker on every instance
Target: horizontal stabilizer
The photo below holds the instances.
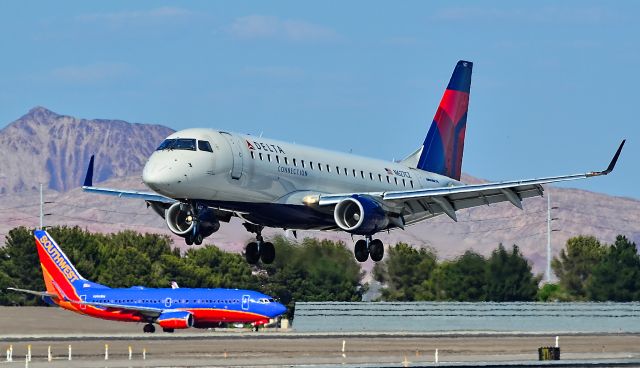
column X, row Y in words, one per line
column 33, row 292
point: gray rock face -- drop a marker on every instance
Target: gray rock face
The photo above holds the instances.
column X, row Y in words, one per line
column 45, row 147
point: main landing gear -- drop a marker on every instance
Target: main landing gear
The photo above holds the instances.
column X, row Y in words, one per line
column 258, row 250
column 149, row 328
column 369, row 247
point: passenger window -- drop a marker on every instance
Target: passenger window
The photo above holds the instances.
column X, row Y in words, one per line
column 269, row 157
column 411, row 182
column 204, row 146
column 294, row 162
column 286, row 161
column 253, row 156
column 396, row 180
column 302, row 163
column 338, row 170
column 319, row 166
column 311, row 165
column 403, row 183
column 260, row 155
column 277, row 159
column 371, row 176
column 362, row 174
column 354, row 173
column 388, row 181
column 380, row 177
column 328, row 168
column 346, row 172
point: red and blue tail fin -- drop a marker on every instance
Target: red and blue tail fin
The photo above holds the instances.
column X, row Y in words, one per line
column 60, row 276
column 444, row 145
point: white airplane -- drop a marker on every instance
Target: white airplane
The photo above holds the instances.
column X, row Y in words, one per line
column 200, row 177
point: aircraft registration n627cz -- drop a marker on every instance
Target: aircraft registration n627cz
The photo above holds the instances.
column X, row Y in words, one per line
column 203, row 176
column 171, row 308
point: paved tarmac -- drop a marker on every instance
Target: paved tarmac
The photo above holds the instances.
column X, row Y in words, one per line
column 44, row 327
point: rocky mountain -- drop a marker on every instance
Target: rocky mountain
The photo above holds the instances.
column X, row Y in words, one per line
column 45, row 147
column 55, row 149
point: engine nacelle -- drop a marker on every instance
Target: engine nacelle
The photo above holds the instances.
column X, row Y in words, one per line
column 360, row 215
column 181, row 219
column 177, row 319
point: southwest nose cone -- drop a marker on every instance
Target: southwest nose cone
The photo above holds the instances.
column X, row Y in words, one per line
column 278, row 309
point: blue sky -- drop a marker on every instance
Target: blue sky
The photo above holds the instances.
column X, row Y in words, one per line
column 554, row 87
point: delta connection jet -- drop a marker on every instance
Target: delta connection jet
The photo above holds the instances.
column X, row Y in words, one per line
column 170, row 308
column 201, row 177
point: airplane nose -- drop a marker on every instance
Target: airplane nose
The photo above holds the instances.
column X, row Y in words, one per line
column 278, row 309
column 154, row 174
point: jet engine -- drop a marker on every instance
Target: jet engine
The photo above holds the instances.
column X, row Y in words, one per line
column 182, row 218
column 176, row 319
column 361, row 215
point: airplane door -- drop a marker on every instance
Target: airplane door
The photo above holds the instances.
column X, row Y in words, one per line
column 236, row 150
column 84, row 299
column 167, row 302
column 245, row 302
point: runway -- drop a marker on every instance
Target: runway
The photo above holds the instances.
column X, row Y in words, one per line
column 44, row 327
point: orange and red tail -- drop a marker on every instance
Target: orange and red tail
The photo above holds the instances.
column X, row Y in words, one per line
column 60, row 276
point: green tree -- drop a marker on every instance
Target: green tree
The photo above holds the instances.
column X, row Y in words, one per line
column 576, row 263
column 463, row 279
column 617, row 276
column 20, row 268
column 315, row 270
column 407, row 273
column 509, row 276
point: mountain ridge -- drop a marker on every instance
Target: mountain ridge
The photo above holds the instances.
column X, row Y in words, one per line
column 54, row 149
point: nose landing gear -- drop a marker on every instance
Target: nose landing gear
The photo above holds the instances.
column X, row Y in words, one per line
column 369, row 247
column 259, row 250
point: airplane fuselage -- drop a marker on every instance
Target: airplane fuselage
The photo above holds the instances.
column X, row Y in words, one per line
column 265, row 181
column 207, row 306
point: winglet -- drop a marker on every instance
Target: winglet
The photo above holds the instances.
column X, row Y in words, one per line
column 612, row 164
column 88, row 179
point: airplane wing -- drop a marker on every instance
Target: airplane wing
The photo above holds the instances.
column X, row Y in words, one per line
column 147, row 311
column 147, row 196
column 33, row 292
column 450, row 199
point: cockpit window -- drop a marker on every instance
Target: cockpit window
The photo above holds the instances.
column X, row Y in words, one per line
column 204, row 146
column 178, row 144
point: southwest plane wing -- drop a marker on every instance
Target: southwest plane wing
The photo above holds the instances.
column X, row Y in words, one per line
column 450, row 199
column 147, row 311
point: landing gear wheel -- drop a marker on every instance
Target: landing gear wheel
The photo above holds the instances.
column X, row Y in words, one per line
column 149, row 328
column 360, row 250
column 267, row 253
column 169, row 330
column 376, row 250
column 188, row 240
column 198, row 239
column 252, row 253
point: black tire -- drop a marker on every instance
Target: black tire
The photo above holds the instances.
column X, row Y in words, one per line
column 149, row 328
column 376, row 250
column 169, row 330
column 188, row 240
column 252, row 253
column 267, row 253
column 198, row 239
column 360, row 250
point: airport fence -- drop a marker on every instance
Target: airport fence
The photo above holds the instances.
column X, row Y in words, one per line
column 459, row 317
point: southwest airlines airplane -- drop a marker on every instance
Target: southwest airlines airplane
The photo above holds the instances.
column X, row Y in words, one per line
column 170, row 308
column 201, row 177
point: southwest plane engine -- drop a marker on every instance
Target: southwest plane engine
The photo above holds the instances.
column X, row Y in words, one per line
column 360, row 215
column 177, row 319
column 193, row 225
